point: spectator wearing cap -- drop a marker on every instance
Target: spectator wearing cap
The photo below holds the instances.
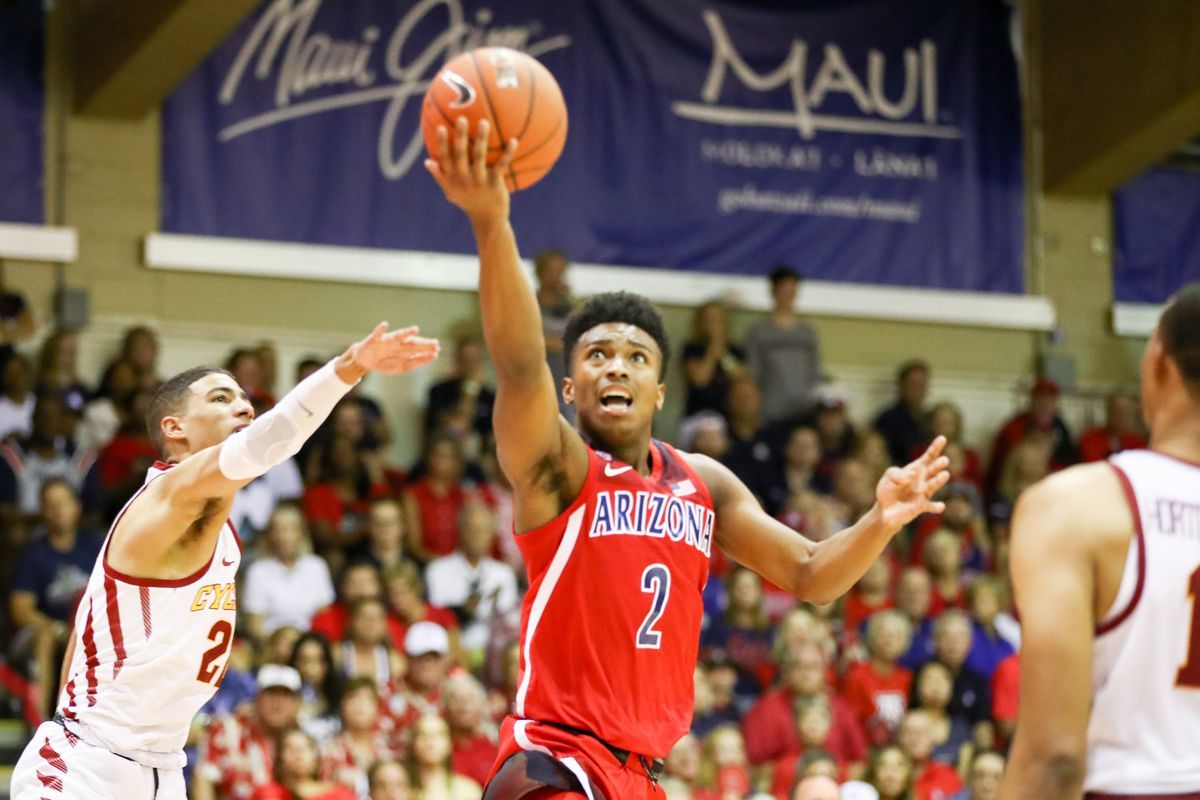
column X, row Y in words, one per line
column 472, row 733
column 902, row 424
column 711, row 360
column 51, row 574
column 1042, row 417
column 472, row 584
column 238, row 753
column 1122, row 430
column 427, row 646
column 783, row 352
column 877, row 689
column 288, row 584
column 770, row 726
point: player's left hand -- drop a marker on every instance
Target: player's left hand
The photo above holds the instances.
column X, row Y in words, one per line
column 394, row 352
column 904, row 493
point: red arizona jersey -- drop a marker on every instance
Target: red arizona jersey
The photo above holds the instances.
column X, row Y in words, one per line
column 611, row 622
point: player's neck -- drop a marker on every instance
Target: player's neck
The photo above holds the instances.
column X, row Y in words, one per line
column 636, row 454
column 1179, row 437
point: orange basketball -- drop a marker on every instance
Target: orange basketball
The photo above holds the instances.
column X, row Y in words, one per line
column 515, row 93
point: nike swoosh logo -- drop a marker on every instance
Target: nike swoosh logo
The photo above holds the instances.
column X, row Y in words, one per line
column 612, row 473
column 227, row 563
column 466, row 92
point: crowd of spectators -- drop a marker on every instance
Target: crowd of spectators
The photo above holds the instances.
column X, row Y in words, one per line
column 376, row 651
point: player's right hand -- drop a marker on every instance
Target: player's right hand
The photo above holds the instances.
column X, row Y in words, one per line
column 462, row 171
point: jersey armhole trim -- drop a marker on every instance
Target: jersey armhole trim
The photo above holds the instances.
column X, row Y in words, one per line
column 1131, row 498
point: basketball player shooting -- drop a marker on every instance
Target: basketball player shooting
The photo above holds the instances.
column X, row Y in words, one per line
column 616, row 528
column 1106, row 566
column 155, row 624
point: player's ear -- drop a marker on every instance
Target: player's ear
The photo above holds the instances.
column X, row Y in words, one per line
column 568, row 391
column 662, row 396
column 172, row 428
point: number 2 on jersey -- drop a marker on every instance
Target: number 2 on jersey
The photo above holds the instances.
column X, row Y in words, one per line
column 656, row 580
column 221, row 635
column 1189, row 673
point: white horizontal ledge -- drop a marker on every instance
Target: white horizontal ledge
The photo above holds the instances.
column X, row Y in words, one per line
column 38, row 242
column 671, row 287
column 1135, row 319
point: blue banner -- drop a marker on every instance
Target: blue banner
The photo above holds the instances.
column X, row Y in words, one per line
column 21, row 100
column 1156, row 221
column 863, row 141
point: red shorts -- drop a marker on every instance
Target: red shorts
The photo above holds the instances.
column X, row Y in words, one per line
column 591, row 762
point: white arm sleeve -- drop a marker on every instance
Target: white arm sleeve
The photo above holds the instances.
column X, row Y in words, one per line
column 278, row 434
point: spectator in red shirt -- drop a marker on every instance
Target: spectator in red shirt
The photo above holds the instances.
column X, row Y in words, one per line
column 943, row 559
column 359, row 580
column 336, row 506
column 297, row 772
column 725, row 754
column 432, row 505
column 1006, row 691
column 123, row 461
column 238, row 753
column 1040, row 417
column 1122, row 430
column 877, row 689
column 932, row 780
column 406, row 600
column 891, row 774
column 770, row 726
column 872, row 593
column 813, row 722
column 472, row 734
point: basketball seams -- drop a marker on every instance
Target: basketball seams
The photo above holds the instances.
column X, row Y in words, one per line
column 487, row 96
column 532, row 100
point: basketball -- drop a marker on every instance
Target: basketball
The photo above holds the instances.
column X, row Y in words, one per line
column 515, row 93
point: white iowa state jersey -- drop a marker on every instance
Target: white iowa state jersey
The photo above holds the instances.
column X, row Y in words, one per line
column 1144, row 734
column 149, row 653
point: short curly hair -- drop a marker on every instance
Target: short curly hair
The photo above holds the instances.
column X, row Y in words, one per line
column 626, row 307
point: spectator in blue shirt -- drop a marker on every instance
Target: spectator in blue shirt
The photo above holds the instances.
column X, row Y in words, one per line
column 52, row 573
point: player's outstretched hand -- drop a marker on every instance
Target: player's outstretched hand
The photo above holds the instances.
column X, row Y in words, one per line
column 461, row 169
column 904, row 493
column 394, row 352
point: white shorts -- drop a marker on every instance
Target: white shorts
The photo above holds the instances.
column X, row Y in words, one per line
column 58, row 766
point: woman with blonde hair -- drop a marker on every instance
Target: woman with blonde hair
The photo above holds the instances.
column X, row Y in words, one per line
column 429, row 753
